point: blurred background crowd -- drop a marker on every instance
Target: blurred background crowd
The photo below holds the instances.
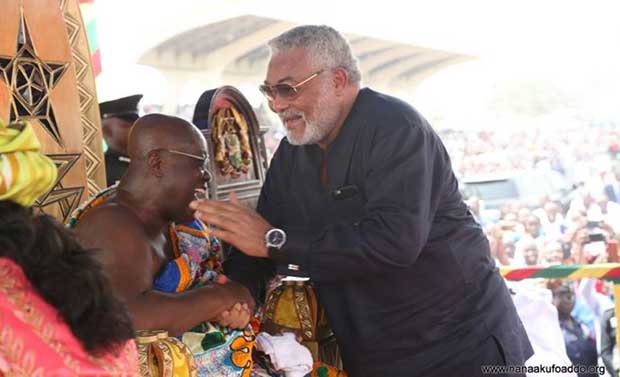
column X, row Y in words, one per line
column 548, row 198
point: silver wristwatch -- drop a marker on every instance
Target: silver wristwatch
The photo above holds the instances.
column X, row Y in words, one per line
column 275, row 238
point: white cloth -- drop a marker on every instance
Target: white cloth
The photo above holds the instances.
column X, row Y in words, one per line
column 540, row 319
column 286, row 353
column 597, row 302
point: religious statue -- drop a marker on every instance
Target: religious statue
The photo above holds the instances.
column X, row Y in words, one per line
column 231, row 143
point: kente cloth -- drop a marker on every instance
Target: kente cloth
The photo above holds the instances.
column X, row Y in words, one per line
column 35, row 341
column 25, row 173
column 218, row 351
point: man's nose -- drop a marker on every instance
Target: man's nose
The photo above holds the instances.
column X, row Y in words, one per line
column 278, row 104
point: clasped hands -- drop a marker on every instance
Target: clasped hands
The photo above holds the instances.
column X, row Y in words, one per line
column 237, row 316
column 240, row 226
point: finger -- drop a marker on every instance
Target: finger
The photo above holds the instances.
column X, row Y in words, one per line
column 213, row 215
column 236, row 322
column 216, row 206
column 219, row 219
column 207, row 213
column 242, row 321
column 226, row 236
column 236, row 325
column 233, row 321
column 215, row 211
column 221, row 279
column 205, row 203
column 234, row 199
column 194, row 204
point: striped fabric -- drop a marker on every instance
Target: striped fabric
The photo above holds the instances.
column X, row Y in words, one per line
column 25, row 173
column 605, row 271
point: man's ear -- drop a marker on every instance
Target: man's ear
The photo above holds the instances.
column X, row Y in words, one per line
column 340, row 79
column 155, row 164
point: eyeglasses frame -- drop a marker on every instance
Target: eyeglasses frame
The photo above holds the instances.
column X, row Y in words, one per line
column 294, row 87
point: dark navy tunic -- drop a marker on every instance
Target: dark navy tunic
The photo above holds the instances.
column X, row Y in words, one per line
column 400, row 265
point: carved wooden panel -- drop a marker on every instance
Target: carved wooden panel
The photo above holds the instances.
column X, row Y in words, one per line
column 46, row 78
column 236, row 147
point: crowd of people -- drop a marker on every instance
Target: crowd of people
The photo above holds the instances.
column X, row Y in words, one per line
column 505, row 149
column 576, row 227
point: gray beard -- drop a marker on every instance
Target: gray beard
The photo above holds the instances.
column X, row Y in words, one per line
column 318, row 129
column 313, row 133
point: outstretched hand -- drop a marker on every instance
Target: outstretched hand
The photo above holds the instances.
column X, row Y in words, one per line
column 234, row 223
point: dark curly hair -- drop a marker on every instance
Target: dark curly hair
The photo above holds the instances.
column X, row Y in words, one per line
column 67, row 277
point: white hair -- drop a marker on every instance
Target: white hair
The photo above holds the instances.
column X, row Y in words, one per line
column 325, row 45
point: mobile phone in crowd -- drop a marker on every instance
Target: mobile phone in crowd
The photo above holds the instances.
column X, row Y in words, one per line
column 596, row 237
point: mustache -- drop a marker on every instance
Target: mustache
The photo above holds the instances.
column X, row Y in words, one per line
column 291, row 113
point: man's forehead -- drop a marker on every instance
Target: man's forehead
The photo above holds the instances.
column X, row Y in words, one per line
column 287, row 65
column 200, row 146
column 194, row 144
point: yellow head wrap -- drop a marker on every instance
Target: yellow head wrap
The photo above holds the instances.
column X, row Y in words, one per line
column 25, row 173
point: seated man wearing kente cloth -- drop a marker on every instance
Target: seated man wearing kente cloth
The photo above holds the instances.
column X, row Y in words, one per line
column 164, row 265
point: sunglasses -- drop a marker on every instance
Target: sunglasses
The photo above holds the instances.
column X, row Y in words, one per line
column 285, row 91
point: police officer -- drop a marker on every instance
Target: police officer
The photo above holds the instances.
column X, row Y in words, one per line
column 117, row 118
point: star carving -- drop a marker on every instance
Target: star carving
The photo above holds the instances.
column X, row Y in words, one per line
column 67, row 199
column 30, row 81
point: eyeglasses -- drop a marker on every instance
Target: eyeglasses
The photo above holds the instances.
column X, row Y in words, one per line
column 285, row 91
column 204, row 170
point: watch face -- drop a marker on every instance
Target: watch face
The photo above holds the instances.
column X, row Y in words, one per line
column 276, row 237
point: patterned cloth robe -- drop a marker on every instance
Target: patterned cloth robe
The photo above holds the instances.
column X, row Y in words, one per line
column 218, row 351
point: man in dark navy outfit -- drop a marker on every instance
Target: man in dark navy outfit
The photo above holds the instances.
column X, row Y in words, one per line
column 361, row 198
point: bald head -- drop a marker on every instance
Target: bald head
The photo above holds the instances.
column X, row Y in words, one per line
column 158, row 131
column 168, row 164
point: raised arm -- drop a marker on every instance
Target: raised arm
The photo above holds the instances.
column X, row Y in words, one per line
column 408, row 174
